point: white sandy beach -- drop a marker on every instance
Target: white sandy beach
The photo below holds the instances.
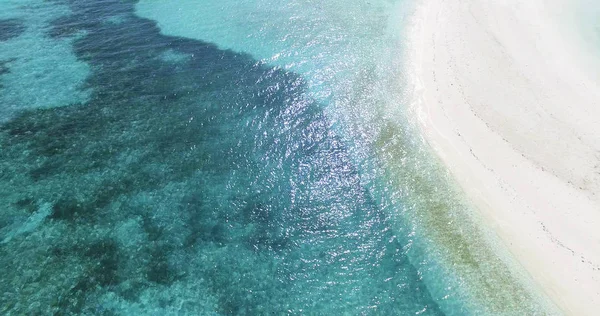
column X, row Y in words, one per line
column 510, row 101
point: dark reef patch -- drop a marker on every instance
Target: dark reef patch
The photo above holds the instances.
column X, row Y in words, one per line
column 11, row 28
column 158, row 269
column 66, row 209
column 27, row 204
column 102, row 263
column 3, row 68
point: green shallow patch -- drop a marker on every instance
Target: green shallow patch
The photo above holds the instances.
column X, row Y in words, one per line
column 446, row 220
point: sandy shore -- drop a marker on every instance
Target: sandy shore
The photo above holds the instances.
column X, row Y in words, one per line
column 511, row 103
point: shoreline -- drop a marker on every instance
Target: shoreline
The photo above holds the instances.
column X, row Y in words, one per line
column 515, row 118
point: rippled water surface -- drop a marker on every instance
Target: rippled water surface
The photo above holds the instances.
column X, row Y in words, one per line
column 234, row 158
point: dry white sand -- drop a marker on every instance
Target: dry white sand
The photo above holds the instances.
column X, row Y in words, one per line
column 510, row 101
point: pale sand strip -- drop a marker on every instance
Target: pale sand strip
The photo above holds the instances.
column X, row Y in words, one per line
column 513, row 109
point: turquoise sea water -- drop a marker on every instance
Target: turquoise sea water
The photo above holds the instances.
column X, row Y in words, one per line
column 37, row 72
column 226, row 157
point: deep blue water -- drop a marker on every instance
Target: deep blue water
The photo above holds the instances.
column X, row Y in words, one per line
column 191, row 181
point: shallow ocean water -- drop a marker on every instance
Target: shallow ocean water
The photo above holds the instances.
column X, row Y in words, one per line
column 150, row 172
column 586, row 16
column 37, row 72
